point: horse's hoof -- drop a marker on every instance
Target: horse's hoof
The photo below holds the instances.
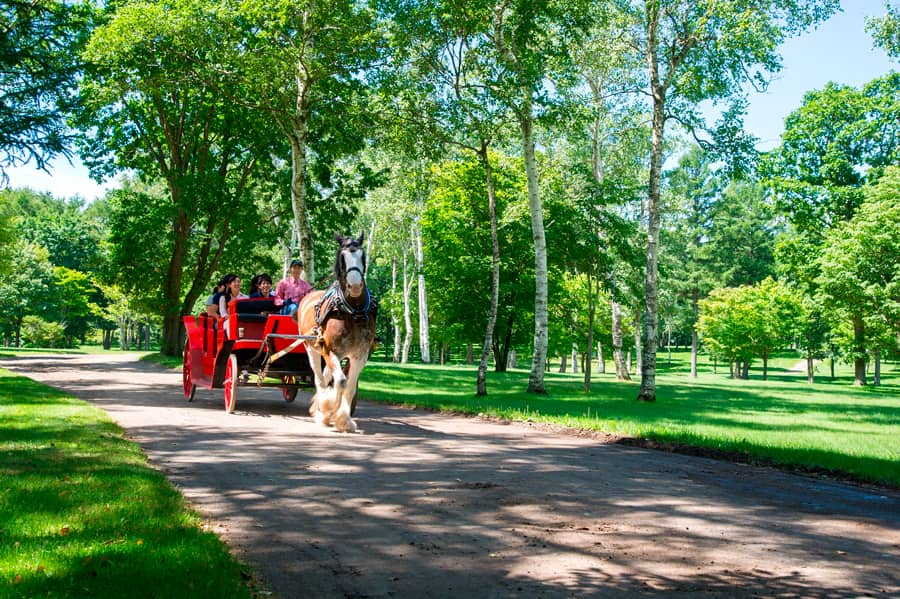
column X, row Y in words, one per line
column 348, row 426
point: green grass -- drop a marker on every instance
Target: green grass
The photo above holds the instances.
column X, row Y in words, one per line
column 830, row 426
column 82, row 514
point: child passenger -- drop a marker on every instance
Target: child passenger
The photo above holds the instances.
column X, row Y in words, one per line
column 291, row 289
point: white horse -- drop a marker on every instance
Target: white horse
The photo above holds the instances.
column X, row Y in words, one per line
column 342, row 318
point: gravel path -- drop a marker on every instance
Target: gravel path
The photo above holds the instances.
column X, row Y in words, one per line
column 420, row 504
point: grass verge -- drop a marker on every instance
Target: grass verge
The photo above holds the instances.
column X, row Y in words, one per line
column 84, row 515
column 828, row 427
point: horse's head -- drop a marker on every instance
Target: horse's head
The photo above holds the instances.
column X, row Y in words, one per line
column 350, row 266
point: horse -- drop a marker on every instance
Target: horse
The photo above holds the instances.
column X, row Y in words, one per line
column 342, row 320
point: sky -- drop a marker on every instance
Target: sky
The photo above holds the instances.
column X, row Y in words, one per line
column 838, row 50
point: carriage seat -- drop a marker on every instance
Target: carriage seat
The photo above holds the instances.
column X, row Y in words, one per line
column 250, row 310
column 248, row 317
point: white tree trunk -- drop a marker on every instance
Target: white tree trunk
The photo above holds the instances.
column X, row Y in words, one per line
column 601, row 363
column 407, row 316
column 298, row 136
column 637, row 344
column 622, row 367
column 539, row 359
column 423, row 297
column 574, row 359
column 395, row 321
column 481, row 376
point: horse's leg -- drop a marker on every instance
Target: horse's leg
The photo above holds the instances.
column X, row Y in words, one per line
column 342, row 420
column 357, row 363
column 319, row 397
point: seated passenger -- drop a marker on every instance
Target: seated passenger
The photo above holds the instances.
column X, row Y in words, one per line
column 232, row 291
column 291, row 289
column 212, row 302
column 261, row 286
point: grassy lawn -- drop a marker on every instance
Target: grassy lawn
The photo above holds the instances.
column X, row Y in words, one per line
column 829, row 426
column 83, row 515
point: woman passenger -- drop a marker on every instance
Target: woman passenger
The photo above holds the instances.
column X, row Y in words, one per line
column 232, row 291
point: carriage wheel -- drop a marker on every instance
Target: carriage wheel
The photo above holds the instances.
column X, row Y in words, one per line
column 289, row 394
column 187, row 381
column 232, row 374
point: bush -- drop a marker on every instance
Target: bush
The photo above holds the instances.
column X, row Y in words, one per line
column 37, row 332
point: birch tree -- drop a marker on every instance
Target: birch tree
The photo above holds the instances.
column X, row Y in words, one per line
column 531, row 41
column 301, row 61
column 698, row 50
column 440, row 52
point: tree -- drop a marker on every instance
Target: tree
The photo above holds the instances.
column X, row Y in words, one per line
column 859, row 265
column 25, row 290
column 603, row 128
column 725, row 324
column 742, row 239
column 72, row 237
column 73, row 292
column 838, row 140
column 146, row 108
column 458, row 262
column 436, row 101
column 886, row 30
column 778, row 311
column 740, row 323
column 531, row 41
column 694, row 189
column 40, row 42
column 303, row 63
column 695, row 51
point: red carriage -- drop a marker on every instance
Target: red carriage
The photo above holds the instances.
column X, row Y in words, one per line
column 260, row 347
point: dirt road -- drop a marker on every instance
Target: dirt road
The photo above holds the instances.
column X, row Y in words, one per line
column 427, row 505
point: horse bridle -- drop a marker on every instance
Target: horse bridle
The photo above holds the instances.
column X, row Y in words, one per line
column 346, row 271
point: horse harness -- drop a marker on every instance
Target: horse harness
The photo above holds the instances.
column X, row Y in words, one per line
column 335, row 304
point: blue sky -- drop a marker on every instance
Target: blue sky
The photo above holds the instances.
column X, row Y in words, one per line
column 838, row 50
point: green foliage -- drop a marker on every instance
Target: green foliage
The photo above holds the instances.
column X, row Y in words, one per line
column 458, row 249
column 39, row 66
column 710, row 50
column 741, row 323
column 26, row 290
column 37, row 332
column 838, row 140
column 860, row 260
column 74, row 297
column 742, row 238
column 72, row 238
column 886, row 30
column 7, row 233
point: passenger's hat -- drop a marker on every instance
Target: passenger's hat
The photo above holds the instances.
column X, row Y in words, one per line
column 297, row 263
